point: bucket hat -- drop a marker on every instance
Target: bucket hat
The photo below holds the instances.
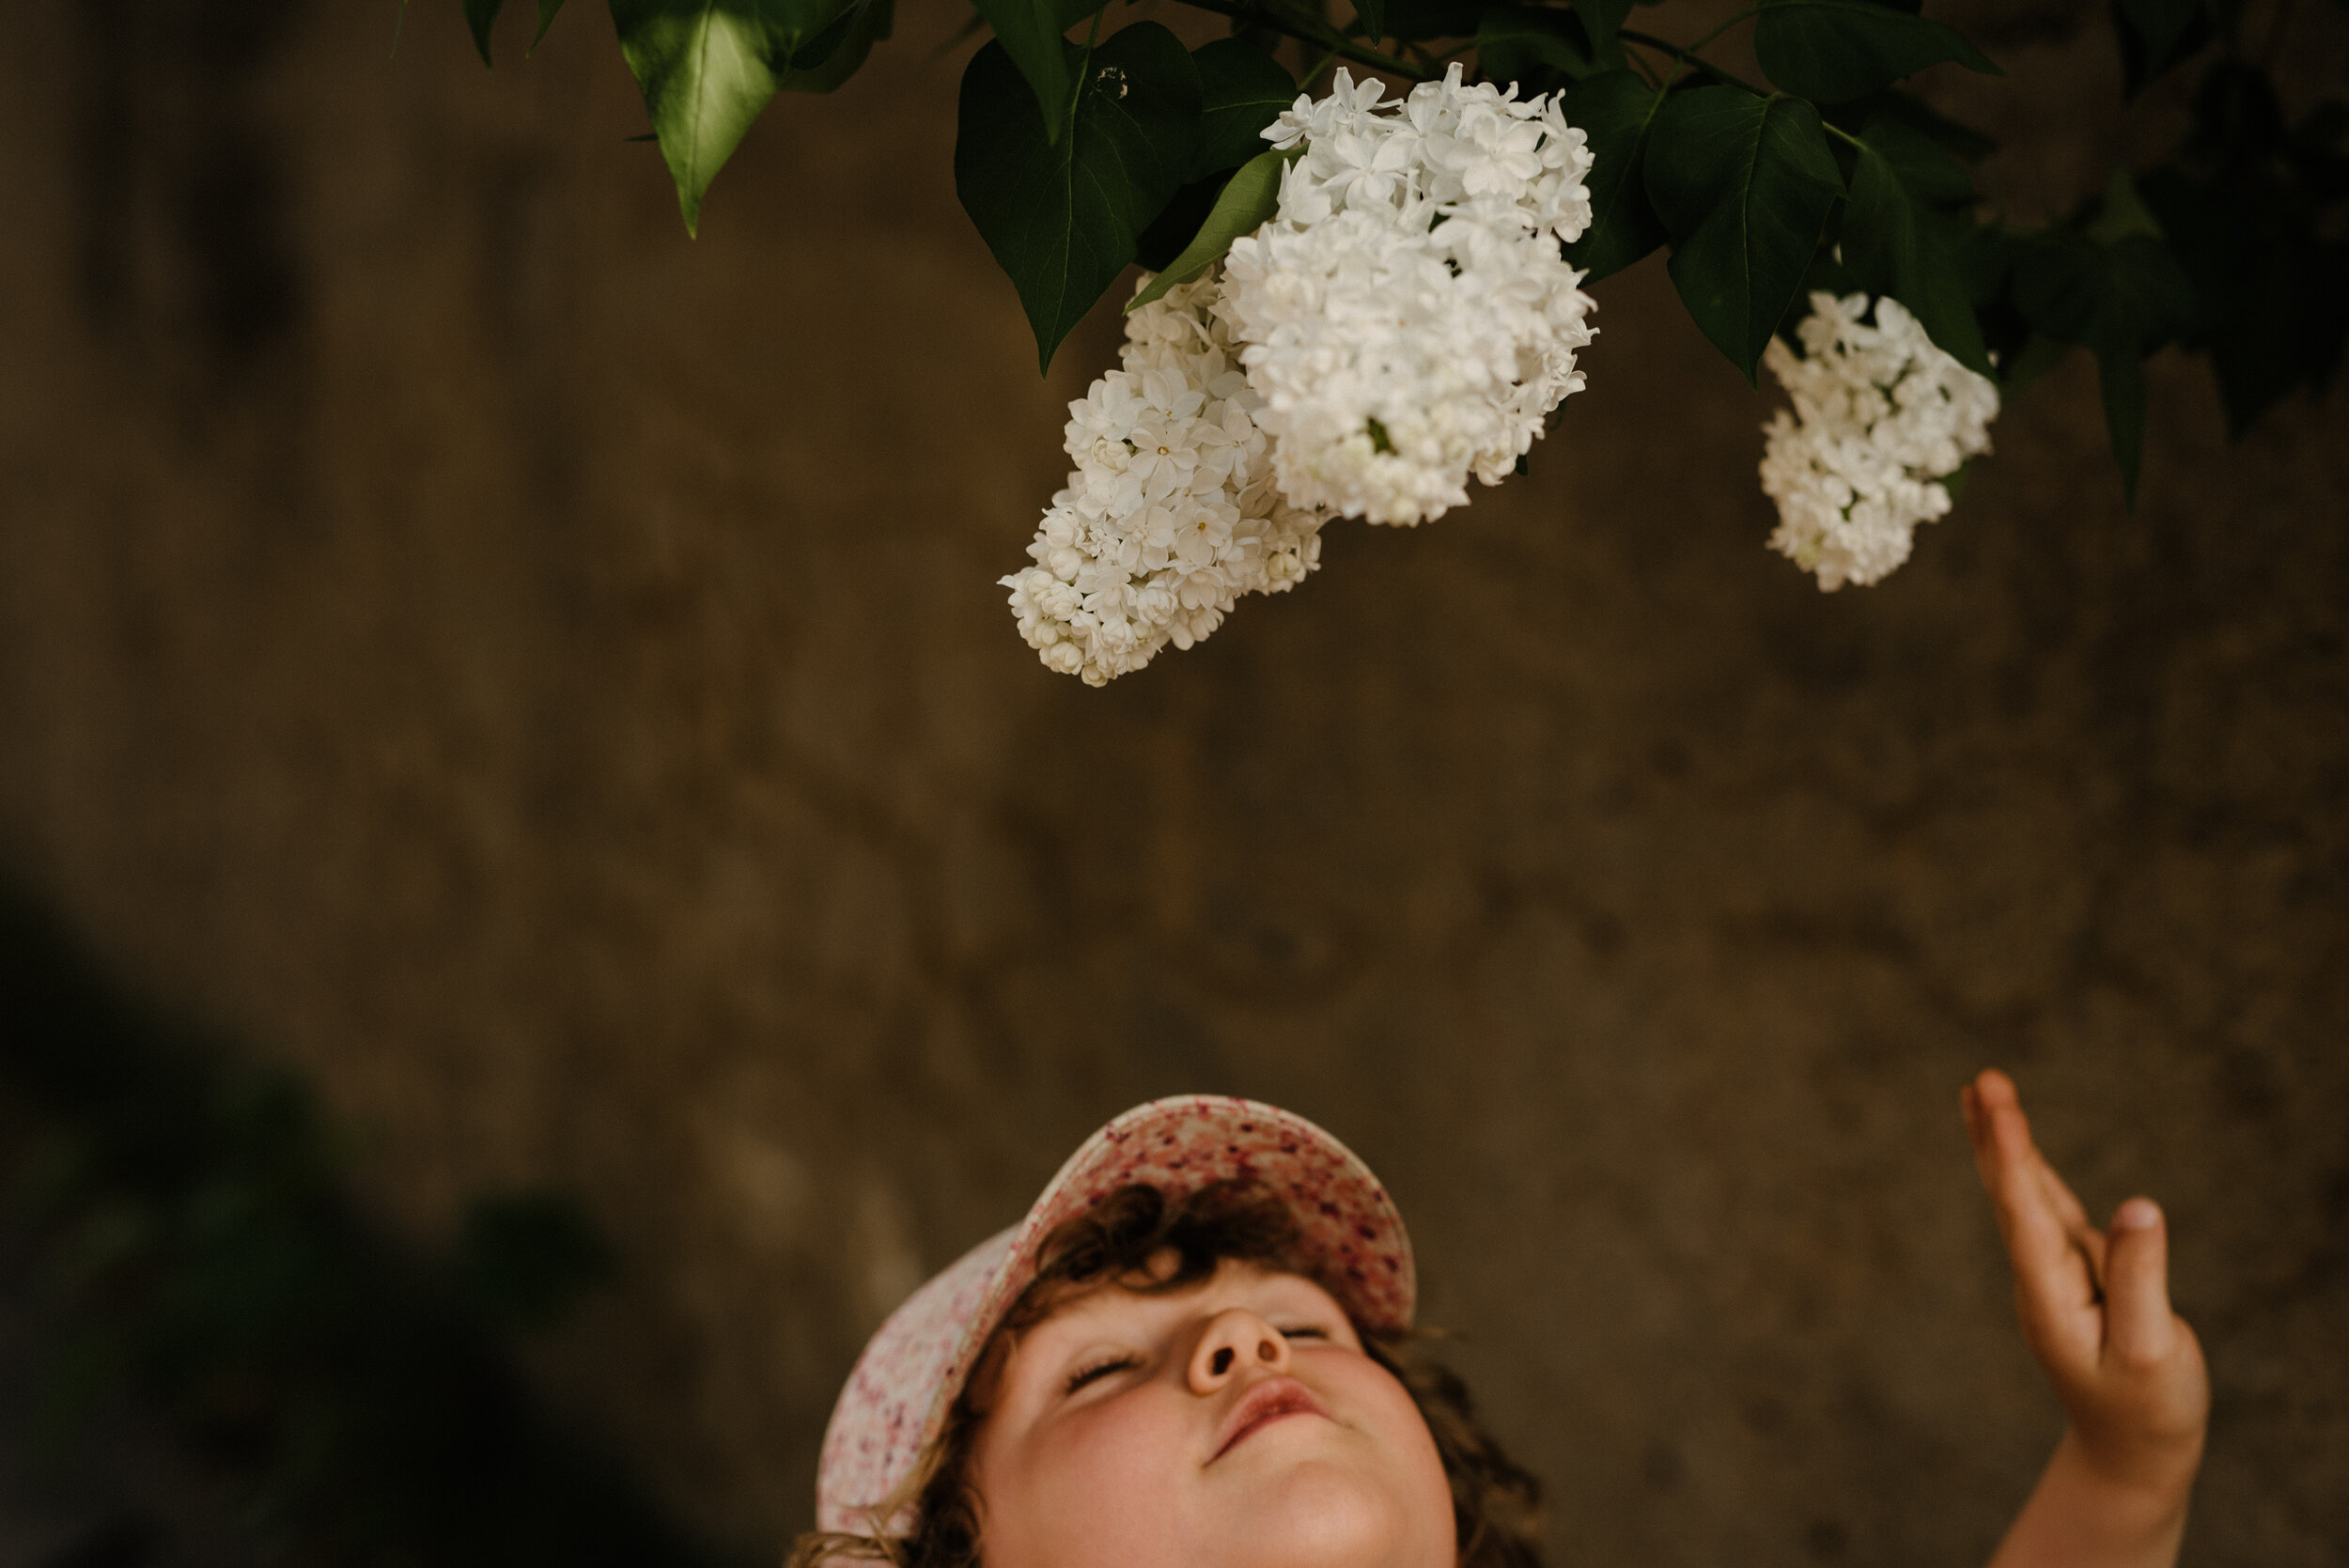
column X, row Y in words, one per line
column 897, row 1401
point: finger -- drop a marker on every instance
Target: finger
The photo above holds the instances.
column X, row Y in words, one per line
column 2053, row 1271
column 2139, row 1329
column 1993, row 1102
column 2059, row 1193
column 1975, row 1101
column 2059, row 1197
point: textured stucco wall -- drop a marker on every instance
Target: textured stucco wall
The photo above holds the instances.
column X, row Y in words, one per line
column 543, row 678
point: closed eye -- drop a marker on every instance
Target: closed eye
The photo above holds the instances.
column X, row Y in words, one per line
column 1095, row 1373
column 1304, row 1333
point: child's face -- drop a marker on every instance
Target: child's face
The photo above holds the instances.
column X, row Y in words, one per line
column 1234, row 1424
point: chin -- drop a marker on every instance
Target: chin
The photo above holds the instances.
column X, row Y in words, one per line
column 1316, row 1515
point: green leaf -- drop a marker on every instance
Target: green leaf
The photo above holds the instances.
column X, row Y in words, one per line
column 1241, row 90
column 2123, row 213
column 1830, row 51
column 1744, row 184
column 2274, row 315
column 480, row 15
column 2156, row 34
column 1526, row 45
column 2148, row 301
column 2120, row 386
column 2035, row 358
column 1963, row 141
column 1415, row 21
column 1900, row 236
column 1617, row 111
column 2123, row 299
column 1178, row 221
column 547, row 10
column 707, row 67
column 1601, row 18
column 1250, row 199
column 1062, row 218
column 837, row 52
column 1033, row 31
column 1371, row 17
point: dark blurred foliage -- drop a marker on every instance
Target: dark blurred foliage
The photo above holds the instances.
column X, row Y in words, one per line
column 195, row 1246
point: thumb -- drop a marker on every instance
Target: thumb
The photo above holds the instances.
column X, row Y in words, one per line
column 2138, row 1327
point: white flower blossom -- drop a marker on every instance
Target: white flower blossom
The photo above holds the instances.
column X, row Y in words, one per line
column 1881, row 415
column 1171, row 513
column 1406, row 318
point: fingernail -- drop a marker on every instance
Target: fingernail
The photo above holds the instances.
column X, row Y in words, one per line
column 2138, row 1214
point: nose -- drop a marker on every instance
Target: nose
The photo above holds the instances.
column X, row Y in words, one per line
column 1235, row 1341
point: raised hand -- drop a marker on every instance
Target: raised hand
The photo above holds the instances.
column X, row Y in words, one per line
column 2095, row 1311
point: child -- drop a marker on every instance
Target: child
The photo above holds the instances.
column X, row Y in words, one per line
column 1195, row 1353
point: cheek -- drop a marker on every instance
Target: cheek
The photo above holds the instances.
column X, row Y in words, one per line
column 1100, row 1488
column 1426, row 1532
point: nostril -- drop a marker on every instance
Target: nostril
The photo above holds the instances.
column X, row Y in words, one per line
column 1222, row 1361
column 1266, row 1351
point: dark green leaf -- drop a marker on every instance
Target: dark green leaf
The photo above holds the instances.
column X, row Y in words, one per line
column 2058, row 285
column 2123, row 299
column 547, row 10
column 2156, row 34
column 2035, row 358
column 1600, row 18
column 1241, row 90
column 1032, row 32
column 1416, row 21
column 1901, row 237
column 1744, row 184
column 2120, row 386
column 1249, row 198
column 480, row 15
column 2273, row 312
column 1178, row 221
column 1533, row 47
column 1832, row 50
column 1616, row 110
column 2122, row 213
column 707, row 67
column 2148, row 300
column 1371, row 17
column 1962, row 140
column 2130, row 293
column 835, row 55
column 2236, row 112
column 1826, row 275
column 1064, row 218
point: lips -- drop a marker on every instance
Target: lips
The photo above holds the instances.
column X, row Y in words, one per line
column 1272, row 1400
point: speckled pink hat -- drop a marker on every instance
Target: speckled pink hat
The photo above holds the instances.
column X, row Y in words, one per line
column 897, row 1398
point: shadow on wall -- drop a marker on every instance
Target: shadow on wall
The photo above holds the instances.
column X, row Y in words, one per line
column 208, row 1352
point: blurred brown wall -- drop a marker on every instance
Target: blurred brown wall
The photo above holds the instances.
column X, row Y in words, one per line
column 543, row 678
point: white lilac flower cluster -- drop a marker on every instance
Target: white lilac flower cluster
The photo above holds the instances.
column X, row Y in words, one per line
column 1405, row 320
column 1407, row 316
column 1172, row 512
column 1881, row 416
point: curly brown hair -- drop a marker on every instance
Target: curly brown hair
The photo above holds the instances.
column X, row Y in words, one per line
column 1496, row 1504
